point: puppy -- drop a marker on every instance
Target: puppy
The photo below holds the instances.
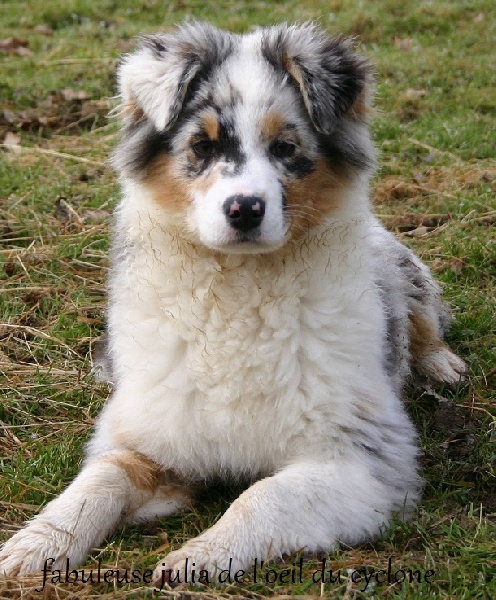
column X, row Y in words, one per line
column 261, row 323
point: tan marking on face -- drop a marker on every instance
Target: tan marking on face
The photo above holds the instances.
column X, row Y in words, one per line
column 271, row 125
column 424, row 335
column 144, row 473
column 312, row 198
column 202, row 184
column 167, row 189
column 211, row 126
column 173, row 192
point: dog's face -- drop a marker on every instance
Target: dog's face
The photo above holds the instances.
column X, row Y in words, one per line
column 249, row 140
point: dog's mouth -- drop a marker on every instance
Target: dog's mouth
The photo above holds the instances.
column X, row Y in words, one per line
column 253, row 237
column 248, row 243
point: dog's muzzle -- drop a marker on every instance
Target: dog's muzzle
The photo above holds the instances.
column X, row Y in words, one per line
column 244, row 213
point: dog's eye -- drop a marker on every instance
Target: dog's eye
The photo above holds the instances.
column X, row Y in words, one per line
column 204, row 148
column 282, row 149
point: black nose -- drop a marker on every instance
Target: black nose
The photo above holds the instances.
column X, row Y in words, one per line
column 244, row 212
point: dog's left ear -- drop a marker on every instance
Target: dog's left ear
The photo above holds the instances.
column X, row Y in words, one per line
column 154, row 81
column 332, row 78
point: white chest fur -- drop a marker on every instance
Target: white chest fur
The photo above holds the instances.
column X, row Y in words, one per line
column 237, row 363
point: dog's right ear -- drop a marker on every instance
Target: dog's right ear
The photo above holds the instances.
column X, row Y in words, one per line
column 153, row 81
column 333, row 81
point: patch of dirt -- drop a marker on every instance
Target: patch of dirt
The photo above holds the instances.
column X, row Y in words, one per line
column 64, row 111
column 457, row 445
column 439, row 180
column 412, row 221
column 457, row 429
column 14, row 45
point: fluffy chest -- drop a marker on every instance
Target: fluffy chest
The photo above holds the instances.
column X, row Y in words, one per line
column 230, row 325
column 236, row 360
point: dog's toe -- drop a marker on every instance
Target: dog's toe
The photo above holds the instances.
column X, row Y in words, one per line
column 23, row 555
column 441, row 365
column 196, row 562
column 32, row 549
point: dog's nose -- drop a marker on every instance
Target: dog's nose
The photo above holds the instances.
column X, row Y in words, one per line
column 244, row 212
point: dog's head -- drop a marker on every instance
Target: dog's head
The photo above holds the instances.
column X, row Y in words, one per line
column 251, row 140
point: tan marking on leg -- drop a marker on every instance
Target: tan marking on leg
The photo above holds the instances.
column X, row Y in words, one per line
column 424, row 336
column 144, row 473
column 430, row 355
column 312, row 198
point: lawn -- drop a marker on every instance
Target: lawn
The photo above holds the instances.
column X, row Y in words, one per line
column 435, row 127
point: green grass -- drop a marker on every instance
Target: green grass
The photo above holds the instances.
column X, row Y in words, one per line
column 434, row 126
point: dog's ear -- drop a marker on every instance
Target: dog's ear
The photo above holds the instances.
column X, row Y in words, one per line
column 154, row 81
column 332, row 78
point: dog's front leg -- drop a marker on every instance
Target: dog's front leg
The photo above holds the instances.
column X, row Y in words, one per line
column 110, row 488
column 306, row 506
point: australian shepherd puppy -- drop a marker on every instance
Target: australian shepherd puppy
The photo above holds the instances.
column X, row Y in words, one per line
column 261, row 321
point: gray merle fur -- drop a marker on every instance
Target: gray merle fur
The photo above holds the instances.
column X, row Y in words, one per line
column 329, row 75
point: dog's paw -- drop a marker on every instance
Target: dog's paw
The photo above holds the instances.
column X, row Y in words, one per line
column 441, row 365
column 31, row 549
column 198, row 561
